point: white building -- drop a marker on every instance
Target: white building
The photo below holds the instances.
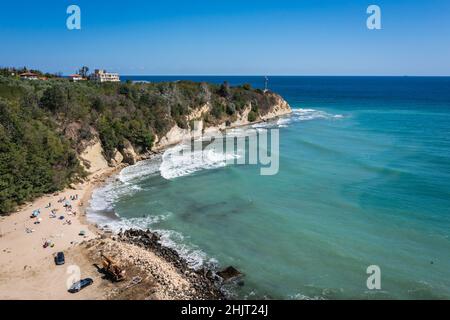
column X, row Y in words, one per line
column 29, row 76
column 103, row 76
column 76, row 77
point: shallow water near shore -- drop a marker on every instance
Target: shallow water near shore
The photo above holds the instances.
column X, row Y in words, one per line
column 364, row 180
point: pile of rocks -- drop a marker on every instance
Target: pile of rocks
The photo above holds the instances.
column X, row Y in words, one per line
column 205, row 282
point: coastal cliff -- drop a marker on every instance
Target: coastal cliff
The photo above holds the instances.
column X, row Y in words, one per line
column 93, row 156
column 60, row 139
column 54, row 133
column 279, row 107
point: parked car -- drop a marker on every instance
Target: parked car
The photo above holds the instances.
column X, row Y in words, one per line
column 59, row 259
column 77, row 286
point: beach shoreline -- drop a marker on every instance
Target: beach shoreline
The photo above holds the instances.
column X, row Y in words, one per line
column 27, row 269
column 26, row 264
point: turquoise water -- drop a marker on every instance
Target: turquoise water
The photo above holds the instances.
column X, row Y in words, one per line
column 364, row 180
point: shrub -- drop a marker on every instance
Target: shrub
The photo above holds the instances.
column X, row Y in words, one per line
column 247, row 86
column 55, row 98
column 252, row 116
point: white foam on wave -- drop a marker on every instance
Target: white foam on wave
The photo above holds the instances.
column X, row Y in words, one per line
column 181, row 160
column 312, row 114
column 104, row 198
column 102, row 205
column 300, row 296
column 194, row 257
column 141, row 223
column 140, row 170
column 283, row 122
column 176, row 162
column 299, row 115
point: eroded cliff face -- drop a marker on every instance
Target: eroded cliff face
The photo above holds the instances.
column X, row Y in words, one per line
column 177, row 134
column 280, row 108
column 93, row 157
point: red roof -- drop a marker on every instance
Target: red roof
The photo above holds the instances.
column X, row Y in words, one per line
column 28, row 74
column 75, row 76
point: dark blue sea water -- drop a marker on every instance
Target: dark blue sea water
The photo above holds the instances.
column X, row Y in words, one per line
column 364, row 180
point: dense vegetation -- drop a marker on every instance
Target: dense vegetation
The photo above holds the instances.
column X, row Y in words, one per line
column 44, row 124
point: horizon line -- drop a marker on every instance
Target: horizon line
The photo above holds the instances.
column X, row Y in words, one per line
column 274, row 75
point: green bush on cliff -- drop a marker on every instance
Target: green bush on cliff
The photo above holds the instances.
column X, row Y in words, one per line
column 252, row 116
column 34, row 158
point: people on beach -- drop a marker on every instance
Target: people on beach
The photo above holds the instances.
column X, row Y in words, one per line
column 74, row 197
column 53, row 214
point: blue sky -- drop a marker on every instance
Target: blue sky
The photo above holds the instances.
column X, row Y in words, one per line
column 303, row 37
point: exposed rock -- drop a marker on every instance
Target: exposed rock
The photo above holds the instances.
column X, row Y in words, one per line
column 71, row 131
column 204, row 282
column 229, row 273
column 198, row 113
column 128, row 153
column 174, row 136
column 280, row 107
column 117, row 158
column 92, row 158
column 242, row 118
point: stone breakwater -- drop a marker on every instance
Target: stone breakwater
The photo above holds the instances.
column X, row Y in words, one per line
column 205, row 282
column 156, row 272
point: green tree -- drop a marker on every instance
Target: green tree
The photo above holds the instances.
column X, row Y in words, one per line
column 83, row 71
column 252, row 116
column 55, row 98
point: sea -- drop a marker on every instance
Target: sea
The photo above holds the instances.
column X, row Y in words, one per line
column 359, row 207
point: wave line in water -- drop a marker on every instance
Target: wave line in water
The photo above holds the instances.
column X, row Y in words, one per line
column 176, row 162
column 181, row 161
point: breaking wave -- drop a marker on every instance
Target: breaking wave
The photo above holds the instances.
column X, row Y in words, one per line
column 101, row 208
column 300, row 296
column 181, row 161
column 176, row 162
column 102, row 213
column 312, row 114
column 297, row 115
column 194, row 257
column 306, row 115
column 140, row 170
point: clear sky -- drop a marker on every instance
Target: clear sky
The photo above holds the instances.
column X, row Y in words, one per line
column 233, row 37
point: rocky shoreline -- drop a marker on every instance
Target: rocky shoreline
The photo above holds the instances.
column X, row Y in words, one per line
column 207, row 281
column 153, row 271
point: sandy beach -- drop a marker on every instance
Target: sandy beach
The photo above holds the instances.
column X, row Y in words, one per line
column 27, row 269
column 29, row 244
